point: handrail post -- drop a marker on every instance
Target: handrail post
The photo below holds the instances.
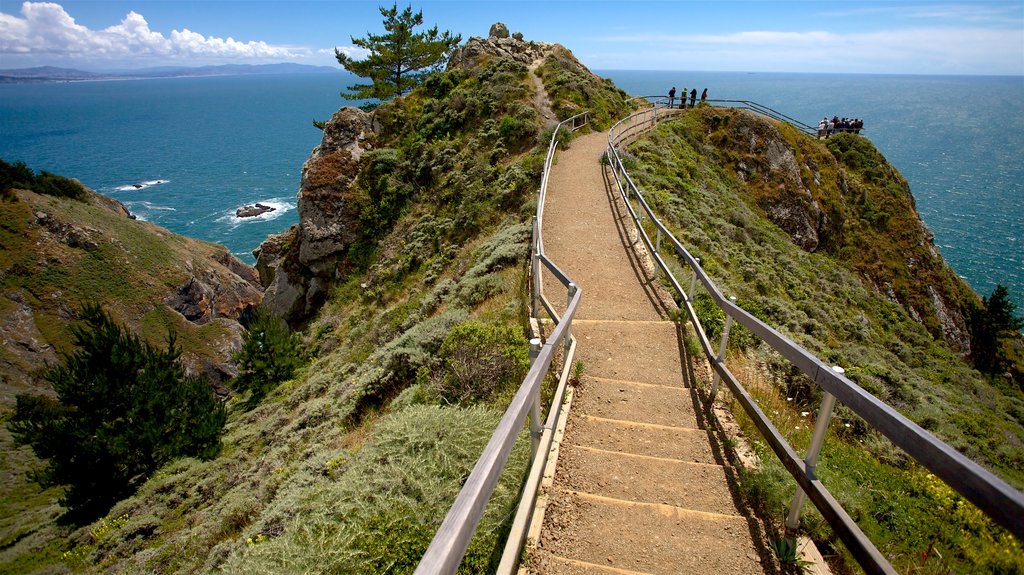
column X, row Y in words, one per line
column 693, row 281
column 536, row 426
column 828, row 402
column 721, row 350
column 657, row 242
column 536, row 271
column 571, row 288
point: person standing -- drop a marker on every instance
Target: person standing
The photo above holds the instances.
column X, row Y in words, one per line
column 671, row 97
column 693, row 97
column 704, row 96
column 682, row 99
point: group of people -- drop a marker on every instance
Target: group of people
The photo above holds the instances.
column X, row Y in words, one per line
column 828, row 127
column 682, row 97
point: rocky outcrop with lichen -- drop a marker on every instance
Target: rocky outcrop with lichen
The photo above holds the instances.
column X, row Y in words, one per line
column 297, row 267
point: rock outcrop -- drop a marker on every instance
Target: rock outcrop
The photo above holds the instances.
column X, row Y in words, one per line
column 501, row 45
column 298, row 266
column 253, row 211
column 850, row 203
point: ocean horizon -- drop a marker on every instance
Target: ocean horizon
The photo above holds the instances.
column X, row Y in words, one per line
column 186, row 152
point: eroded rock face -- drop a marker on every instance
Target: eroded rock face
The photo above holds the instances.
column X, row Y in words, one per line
column 498, row 31
column 215, row 293
column 791, row 206
column 297, row 267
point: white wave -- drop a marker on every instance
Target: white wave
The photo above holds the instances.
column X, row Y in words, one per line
column 151, row 206
column 281, row 206
column 140, row 185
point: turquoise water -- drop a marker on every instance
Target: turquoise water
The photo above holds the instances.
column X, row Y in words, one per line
column 214, row 144
column 198, row 147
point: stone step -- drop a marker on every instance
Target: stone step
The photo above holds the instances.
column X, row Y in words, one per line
column 647, row 351
column 636, row 402
column 693, row 486
column 645, row 538
column 683, row 443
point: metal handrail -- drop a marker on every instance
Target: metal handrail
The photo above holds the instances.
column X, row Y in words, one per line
column 449, row 544
column 662, row 101
column 992, row 495
column 766, row 111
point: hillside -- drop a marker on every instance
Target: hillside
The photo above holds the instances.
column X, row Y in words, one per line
column 406, row 278
column 57, row 254
column 407, row 272
column 821, row 240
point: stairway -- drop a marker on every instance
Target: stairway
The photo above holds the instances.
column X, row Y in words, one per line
column 639, row 486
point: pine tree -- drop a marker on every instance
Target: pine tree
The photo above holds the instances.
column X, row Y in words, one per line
column 123, row 409
column 269, row 355
column 399, row 59
column 989, row 325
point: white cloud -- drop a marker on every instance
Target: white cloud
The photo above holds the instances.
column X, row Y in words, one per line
column 948, row 50
column 45, row 31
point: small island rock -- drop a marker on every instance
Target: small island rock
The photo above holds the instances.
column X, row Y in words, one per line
column 252, row 211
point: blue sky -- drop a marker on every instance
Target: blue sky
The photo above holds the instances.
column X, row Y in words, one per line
column 800, row 36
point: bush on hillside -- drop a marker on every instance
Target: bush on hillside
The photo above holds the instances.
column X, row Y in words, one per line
column 478, row 361
column 270, row 355
column 992, row 322
column 123, row 410
column 21, row 176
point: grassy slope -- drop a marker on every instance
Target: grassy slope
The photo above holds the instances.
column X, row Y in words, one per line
column 687, row 167
column 351, row 466
column 133, row 268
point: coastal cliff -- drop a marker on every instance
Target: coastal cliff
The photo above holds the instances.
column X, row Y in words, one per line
column 60, row 253
column 341, row 181
column 407, row 277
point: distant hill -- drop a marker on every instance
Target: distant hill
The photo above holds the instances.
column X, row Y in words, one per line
column 43, row 74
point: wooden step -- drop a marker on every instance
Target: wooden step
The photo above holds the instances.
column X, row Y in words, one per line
column 645, row 351
column 639, row 478
column 646, row 538
column 683, row 443
column 636, row 402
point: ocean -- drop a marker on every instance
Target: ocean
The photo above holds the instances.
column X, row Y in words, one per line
column 186, row 152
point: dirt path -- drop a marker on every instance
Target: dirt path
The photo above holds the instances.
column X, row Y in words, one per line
column 641, row 486
column 541, row 100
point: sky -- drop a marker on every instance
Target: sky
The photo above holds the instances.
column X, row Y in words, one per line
column 887, row 37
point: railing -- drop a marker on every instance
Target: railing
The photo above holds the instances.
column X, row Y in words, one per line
column 993, row 496
column 663, row 102
column 449, row 545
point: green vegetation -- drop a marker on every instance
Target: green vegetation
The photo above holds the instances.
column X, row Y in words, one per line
column 574, row 89
column 399, row 59
column 379, row 512
column 717, row 193
column 993, row 323
column 476, row 362
column 351, row 464
column 123, row 409
column 270, row 354
column 20, row 176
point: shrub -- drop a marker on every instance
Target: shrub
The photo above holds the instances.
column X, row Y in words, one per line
column 479, row 361
column 562, row 139
column 123, row 409
column 21, row 176
column 269, row 355
column 990, row 323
